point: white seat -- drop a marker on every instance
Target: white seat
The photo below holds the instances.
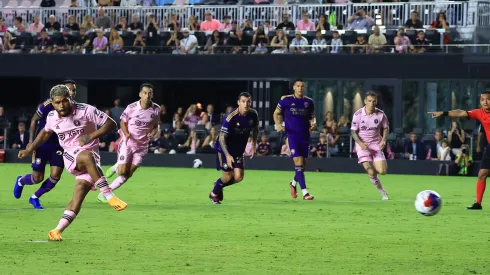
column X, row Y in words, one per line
column 12, row 4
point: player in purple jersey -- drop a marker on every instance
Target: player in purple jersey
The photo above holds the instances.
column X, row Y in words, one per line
column 299, row 117
column 230, row 147
column 367, row 124
column 50, row 152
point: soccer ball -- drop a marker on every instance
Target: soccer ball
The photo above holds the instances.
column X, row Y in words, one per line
column 428, row 202
column 197, row 163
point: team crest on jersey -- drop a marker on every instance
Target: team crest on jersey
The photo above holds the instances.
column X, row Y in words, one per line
column 61, row 136
column 38, row 161
column 376, row 121
column 153, row 115
column 76, row 122
column 306, row 104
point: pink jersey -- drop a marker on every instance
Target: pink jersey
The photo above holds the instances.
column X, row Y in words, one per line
column 83, row 120
column 140, row 122
column 369, row 127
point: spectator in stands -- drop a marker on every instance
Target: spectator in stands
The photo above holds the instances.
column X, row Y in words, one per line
column 226, row 26
column 360, row 21
column 285, row 152
column 213, row 43
column 122, row 25
column 280, row 42
column 84, row 42
column 193, row 24
column 205, row 121
column 21, row 138
column 414, row 21
column 3, row 27
column 44, row 43
column 464, row 160
column 117, row 111
column 443, row 151
column 343, row 122
column 402, row 42
column 88, row 23
column 164, row 115
column 214, row 118
column 36, row 26
column 298, row 43
column 193, row 142
column 414, row 148
column 323, row 24
column 104, row 3
column 173, row 43
column 305, row 24
column 360, row 46
column 180, row 111
column 248, row 25
column 434, row 146
column 238, row 43
column 103, row 21
column 285, row 24
column 136, row 24
column 456, row 137
column 319, row 43
column 336, row 43
column 64, row 44
column 210, row 24
column 19, row 27
column 320, row 150
column 328, row 121
column 116, row 42
column 139, row 43
column 333, row 139
column 188, row 44
column 211, row 139
column 376, row 41
column 72, row 24
column 9, row 45
column 421, row 43
column 47, row 3
column 267, row 26
column 248, row 147
column 173, row 23
column 264, row 147
column 52, row 25
column 100, row 42
column 260, row 41
column 190, row 117
column 179, row 125
column 157, row 144
column 170, row 142
column 441, row 23
column 3, row 118
column 74, row 4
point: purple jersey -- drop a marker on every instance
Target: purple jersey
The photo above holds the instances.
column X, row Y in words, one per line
column 238, row 128
column 369, row 127
column 297, row 115
column 43, row 111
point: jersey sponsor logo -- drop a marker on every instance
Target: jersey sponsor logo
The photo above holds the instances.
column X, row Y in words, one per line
column 132, row 105
column 224, row 129
column 61, row 136
column 70, row 134
column 141, row 123
column 76, row 122
column 365, row 128
column 79, row 106
column 293, row 104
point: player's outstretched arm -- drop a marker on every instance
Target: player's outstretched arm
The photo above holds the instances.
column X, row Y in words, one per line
column 453, row 113
column 40, row 140
column 32, row 128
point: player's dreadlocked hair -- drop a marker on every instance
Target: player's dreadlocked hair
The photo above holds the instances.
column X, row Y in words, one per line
column 59, row 90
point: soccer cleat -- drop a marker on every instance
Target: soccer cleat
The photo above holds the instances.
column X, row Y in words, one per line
column 111, row 171
column 36, row 203
column 475, row 206
column 220, row 195
column 101, row 198
column 385, row 196
column 308, row 197
column 17, row 188
column 55, row 235
column 117, row 204
column 214, row 198
column 294, row 193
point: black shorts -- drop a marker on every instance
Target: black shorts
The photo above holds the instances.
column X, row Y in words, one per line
column 485, row 160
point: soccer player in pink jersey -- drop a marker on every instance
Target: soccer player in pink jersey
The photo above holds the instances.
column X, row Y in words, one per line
column 367, row 124
column 75, row 124
column 138, row 123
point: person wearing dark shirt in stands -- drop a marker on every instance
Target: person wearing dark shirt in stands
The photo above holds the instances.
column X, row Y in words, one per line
column 414, row 21
column 136, row 24
column 414, row 148
column 321, row 147
column 21, row 138
column 285, row 24
column 164, row 115
column 52, row 24
column 421, row 44
column 264, row 147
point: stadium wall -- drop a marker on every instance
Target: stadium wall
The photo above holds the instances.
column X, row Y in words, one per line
column 338, row 165
column 343, row 66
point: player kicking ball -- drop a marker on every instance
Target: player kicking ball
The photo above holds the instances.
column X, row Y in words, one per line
column 367, row 125
column 299, row 117
column 232, row 140
column 76, row 126
column 50, row 151
column 483, row 116
column 138, row 122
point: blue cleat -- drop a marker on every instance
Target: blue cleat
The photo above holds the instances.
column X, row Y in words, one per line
column 36, row 203
column 18, row 188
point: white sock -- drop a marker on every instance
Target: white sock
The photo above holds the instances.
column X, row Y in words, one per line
column 293, row 183
column 34, row 196
column 114, row 168
column 305, row 191
column 108, row 197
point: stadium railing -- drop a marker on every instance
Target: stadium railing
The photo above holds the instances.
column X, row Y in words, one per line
column 391, row 14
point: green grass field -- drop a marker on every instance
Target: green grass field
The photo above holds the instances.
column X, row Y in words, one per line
column 170, row 227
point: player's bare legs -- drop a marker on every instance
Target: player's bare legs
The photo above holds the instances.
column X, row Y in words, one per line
column 480, row 189
column 227, row 179
column 82, row 188
column 299, row 177
column 373, row 172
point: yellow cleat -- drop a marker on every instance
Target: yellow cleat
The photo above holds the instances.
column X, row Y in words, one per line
column 55, row 235
column 117, row 204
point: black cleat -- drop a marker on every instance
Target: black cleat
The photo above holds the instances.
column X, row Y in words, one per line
column 475, row 206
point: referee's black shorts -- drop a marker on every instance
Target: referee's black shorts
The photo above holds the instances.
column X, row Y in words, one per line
column 485, row 160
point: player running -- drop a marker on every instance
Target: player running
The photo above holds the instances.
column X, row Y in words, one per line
column 230, row 147
column 50, row 151
column 366, row 127
column 76, row 124
column 138, row 122
column 299, row 118
column 483, row 116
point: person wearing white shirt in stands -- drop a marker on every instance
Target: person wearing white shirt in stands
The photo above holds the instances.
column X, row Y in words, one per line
column 188, row 44
column 336, row 43
column 298, row 43
column 443, row 151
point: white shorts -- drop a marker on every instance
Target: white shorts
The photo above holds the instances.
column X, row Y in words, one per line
column 70, row 160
